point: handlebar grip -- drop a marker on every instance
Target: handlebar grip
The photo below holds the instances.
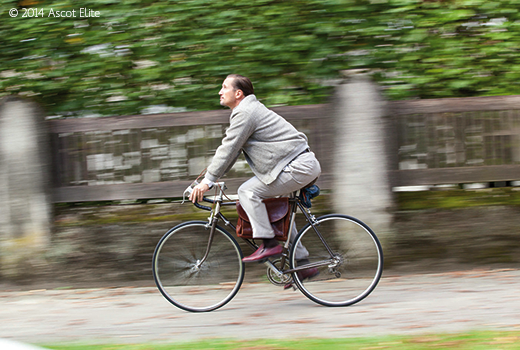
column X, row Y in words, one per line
column 200, row 206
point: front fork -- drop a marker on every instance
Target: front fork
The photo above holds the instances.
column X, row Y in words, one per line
column 213, row 220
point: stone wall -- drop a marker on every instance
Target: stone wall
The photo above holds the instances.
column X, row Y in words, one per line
column 445, row 239
column 111, row 245
column 25, row 210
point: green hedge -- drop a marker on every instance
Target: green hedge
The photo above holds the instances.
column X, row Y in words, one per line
column 140, row 53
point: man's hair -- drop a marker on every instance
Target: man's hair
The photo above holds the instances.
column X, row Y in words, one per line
column 242, row 83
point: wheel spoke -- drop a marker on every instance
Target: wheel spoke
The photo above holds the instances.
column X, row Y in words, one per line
column 187, row 283
column 355, row 268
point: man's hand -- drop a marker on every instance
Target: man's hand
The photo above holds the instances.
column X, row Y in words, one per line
column 198, row 192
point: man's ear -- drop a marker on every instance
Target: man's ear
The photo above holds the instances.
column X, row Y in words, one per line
column 239, row 94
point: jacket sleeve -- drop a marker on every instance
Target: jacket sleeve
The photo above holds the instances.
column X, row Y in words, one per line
column 240, row 129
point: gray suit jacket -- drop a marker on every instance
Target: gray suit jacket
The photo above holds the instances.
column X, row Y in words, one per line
column 268, row 141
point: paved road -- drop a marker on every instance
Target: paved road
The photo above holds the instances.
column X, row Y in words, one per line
column 447, row 302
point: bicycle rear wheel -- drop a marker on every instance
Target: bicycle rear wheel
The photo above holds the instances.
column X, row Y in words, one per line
column 353, row 270
column 187, row 283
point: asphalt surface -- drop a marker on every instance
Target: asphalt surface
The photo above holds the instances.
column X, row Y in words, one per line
column 406, row 304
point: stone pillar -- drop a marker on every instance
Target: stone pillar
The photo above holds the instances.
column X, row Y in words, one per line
column 361, row 185
column 25, row 207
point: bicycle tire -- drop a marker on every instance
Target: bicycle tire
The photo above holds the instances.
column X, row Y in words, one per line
column 359, row 254
column 192, row 288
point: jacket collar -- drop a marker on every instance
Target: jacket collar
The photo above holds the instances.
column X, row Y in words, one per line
column 246, row 101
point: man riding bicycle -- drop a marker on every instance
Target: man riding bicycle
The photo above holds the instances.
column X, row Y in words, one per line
column 277, row 153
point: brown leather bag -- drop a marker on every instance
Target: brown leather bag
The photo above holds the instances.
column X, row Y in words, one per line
column 279, row 216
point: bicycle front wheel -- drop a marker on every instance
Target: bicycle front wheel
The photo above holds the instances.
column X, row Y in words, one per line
column 347, row 273
column 190, row 283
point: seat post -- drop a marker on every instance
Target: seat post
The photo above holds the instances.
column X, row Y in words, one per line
column 294, row 206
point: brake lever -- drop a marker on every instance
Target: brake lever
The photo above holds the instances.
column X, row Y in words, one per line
column 188, row 191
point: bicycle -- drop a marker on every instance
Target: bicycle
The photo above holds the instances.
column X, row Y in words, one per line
column 197, row 265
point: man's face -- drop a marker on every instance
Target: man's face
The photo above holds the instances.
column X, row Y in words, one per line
column 228, row 94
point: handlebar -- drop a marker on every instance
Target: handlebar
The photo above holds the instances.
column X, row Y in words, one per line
column 189, row 190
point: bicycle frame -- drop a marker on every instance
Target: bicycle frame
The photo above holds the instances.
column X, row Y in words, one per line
column 295, row 204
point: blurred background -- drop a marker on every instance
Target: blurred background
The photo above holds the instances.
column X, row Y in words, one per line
column 147, row 56
column 122, row 106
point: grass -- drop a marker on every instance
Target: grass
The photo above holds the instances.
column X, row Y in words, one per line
column 458, row 198
column 105, row 213
column 473, row 340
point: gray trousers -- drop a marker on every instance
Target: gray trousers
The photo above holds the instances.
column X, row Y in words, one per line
column 297, row 174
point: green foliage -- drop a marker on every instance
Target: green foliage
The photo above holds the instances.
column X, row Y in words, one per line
column 473, row 340
column 176, row 53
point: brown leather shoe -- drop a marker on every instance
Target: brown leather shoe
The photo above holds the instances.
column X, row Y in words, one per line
column 263, row 253
column 303, row 275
